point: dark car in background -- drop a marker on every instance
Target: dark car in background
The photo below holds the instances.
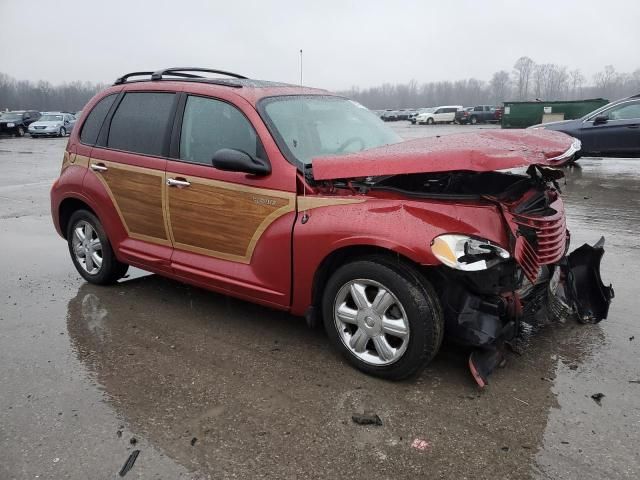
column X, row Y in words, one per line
column 612, row 130
column 17, row 122
column 389, row 115
column 478, row 114
column 462, row 115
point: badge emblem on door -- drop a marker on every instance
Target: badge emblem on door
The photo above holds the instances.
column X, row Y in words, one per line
column 263, row 201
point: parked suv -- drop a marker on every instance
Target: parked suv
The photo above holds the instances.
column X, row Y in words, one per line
column 478, row 114
column 303, row 201
column 445, row 114
column 17, row 122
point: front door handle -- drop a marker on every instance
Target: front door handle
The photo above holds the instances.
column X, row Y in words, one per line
column 98, row 167
column 177, row 182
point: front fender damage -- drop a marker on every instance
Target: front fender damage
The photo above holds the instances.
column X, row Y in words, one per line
column 489, row 321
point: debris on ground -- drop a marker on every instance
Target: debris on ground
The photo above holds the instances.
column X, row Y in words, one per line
column 133, row 441
column 366, row 418
column 119, row 433
column 421, row 444
column 597, row 397
column 632, row 337
column 573, row 367
column 634, row 381
column 193, row 441
column 128, row 465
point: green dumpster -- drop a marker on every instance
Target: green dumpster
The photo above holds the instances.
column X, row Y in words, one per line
column 525, row 114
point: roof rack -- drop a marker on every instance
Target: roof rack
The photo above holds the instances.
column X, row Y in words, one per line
column 180, row 72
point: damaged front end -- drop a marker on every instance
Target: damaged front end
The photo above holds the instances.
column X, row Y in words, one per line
column 490, row 294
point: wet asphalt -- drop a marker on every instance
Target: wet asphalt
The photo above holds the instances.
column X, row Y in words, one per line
column 210, row 387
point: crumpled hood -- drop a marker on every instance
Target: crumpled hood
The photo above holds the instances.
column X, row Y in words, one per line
column 481, row 151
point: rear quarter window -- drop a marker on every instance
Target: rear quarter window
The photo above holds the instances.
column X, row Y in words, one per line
column 92, row 124
column 141, row 122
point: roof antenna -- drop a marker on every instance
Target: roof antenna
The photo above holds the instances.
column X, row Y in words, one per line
column 300, row 67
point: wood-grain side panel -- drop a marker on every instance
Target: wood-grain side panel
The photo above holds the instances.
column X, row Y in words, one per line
column 223, row 220
column 138, row 196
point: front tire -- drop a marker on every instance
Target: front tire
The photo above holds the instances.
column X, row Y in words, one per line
column 63, row 132
column 430, row 121
column 474, row 120
column 383, row 316
column 91, row 251
column 20, row 132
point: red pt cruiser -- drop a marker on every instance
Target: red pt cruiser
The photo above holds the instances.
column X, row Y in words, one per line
column 305, row 201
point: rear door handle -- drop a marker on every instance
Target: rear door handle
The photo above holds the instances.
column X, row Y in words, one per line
column 177, row 182
column 99, row 167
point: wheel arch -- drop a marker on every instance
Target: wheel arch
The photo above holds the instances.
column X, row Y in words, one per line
column 343, row 255
column 67, row 208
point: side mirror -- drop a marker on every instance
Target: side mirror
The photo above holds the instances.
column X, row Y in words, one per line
column 600, row 119
column 232, row 160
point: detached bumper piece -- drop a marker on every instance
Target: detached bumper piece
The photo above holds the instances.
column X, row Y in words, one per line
column 585, row 292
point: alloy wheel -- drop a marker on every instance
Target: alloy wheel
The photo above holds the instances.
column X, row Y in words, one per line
column 87, row 247
column 371, row 322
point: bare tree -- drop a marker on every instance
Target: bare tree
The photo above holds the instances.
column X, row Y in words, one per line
column 557, row 82
column 500, row 86
column 577, row 80
column 604, row 79
column 523, row 69
column 539, row 79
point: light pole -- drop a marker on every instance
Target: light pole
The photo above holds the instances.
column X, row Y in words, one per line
column 300, row 67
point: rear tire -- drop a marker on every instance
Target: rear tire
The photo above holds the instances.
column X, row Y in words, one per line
column 91, row 250
column 20, row 132
column 393, row 338
column 474, row 120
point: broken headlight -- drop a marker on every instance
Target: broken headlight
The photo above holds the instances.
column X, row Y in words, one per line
column 466, row 253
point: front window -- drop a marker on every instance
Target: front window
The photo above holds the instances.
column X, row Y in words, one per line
column 51, row 118
column 306, row 127
column 209, row 125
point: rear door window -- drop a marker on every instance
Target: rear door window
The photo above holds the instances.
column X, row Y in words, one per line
column 209, row 125
column 94, row 121
column 141, row 123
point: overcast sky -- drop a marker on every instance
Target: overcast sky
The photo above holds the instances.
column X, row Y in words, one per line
column 345, row 43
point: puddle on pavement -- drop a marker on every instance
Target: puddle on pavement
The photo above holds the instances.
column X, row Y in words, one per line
column 257, row 389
